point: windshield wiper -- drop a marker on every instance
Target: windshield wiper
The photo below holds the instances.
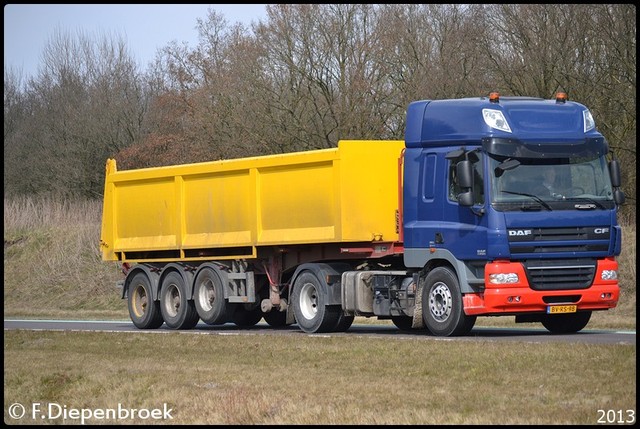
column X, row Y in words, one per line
column 535, row 197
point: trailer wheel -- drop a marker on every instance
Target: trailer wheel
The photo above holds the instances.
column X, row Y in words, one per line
column 566, row 323
column 208, row 295
column 178, row 312
column 309, row 305
column 442, row 309
column 143, row 310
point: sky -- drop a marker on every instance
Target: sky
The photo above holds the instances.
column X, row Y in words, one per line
column 145, row 28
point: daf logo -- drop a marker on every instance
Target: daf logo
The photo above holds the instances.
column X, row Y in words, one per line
column 520, row 232
column 601, row 230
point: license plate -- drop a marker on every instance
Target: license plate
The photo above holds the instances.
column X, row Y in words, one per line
column 556, row 309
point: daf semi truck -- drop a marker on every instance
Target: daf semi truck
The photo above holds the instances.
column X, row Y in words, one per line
column 431, row 232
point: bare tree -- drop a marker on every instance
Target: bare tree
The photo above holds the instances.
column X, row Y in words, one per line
column 304, row 78
column 15, row 114
column 589, row 51
column 328, row 75
column 85, row 104
column 13, row 102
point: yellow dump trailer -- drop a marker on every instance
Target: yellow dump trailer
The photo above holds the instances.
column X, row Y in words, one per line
column 229, row 209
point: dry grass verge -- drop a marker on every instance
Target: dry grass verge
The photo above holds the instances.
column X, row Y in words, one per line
column 264, row 379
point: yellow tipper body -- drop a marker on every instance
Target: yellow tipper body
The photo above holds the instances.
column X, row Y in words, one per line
column 230, row 208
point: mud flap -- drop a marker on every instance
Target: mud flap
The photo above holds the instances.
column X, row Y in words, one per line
column 418, row 322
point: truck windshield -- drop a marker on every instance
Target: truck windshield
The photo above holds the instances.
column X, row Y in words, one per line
column 551, row 184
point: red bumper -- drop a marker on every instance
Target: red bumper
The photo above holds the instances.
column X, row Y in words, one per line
column 514, row 298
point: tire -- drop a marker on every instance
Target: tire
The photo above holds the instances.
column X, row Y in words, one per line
column 246, row 317
column 566, row 323
column 276, row 319
column 208, row 295
column 404, row 323
column 344, row 322
column 177, row 311
column 442, row 308
column 310, row 308
column 143, row 310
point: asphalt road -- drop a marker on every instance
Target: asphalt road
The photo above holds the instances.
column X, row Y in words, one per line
column 525, row 334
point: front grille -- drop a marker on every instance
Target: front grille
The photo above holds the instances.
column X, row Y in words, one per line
column 558, row 240
column 537, row 249
column 560, row 274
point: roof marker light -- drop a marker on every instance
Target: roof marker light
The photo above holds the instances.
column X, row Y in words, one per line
column 494, row 97
column 561, row 97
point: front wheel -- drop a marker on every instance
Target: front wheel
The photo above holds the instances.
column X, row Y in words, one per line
column 566, row 323
column 442, row 308
column 310, row 305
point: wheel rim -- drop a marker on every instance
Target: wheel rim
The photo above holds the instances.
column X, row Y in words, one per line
column 206, row 295
column 172, row 300
column 139, row 301
column 440, row 302
column 308, row 301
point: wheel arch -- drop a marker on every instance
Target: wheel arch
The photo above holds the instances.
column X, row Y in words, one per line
column 152, row 275
column 437, row 263
column 222, row 275
column 156, row 277
column 470, row 275
column 187, row 277
column 328, row 274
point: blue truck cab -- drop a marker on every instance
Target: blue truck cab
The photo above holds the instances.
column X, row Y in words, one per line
column 509, row 207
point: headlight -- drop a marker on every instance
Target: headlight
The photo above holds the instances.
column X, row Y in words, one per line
column 589, row 123
column 495, row 119
column 503, row 278
column 609, row 275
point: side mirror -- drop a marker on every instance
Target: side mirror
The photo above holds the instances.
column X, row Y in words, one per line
column 464, row 174
column 465, row 199
column 614, row 173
